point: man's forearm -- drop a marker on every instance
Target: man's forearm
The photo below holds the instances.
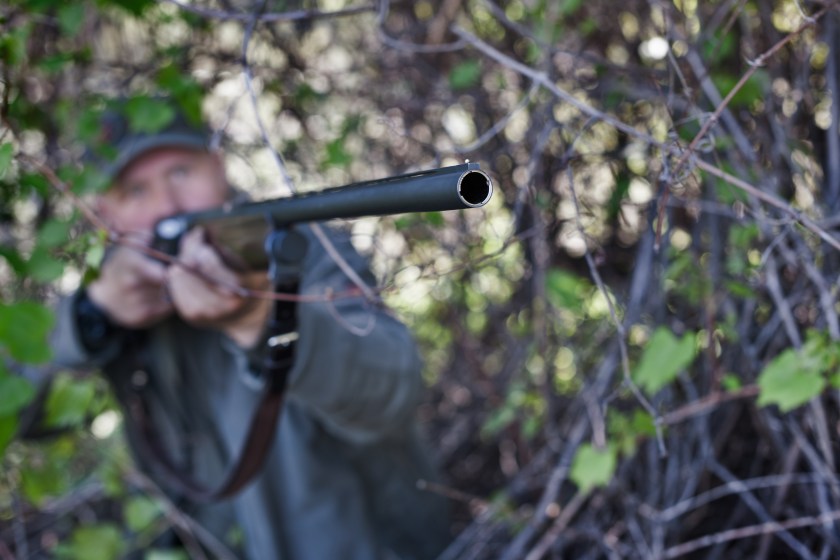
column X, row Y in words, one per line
column 364, row 386
column 83, row 336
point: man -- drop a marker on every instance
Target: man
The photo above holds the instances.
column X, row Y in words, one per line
column 340, row 478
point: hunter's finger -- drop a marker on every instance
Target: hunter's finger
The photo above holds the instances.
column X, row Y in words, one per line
column 150, row 271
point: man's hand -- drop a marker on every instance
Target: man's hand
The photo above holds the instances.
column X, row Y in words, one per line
column 210, row 300
column 131, row 289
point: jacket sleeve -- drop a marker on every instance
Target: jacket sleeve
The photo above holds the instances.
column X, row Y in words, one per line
column 66, row 340
column 356, row 366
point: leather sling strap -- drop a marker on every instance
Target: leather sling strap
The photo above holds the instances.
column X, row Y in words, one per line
column 275, row 361
column 251, row 459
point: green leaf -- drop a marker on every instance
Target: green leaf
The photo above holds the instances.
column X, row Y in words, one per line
column 71, row 15
column 44, row 481
column 337, row 155
column 626, row 431
column 790, row 380
column 14, row 259
column 13, row 44
column 718, row 47
column 643, row 424
column 91, row 180
column 160, row 554
column 569, row 7
column 753, row 89
column 23, row 331
column 109, row 473
column 140, row 512
column 53, row 233
column 743, row 236
column 55, row 63
column 17, row 392
column 148, row 115
column 305, row 94
column 663, row 359
column 405, row 222
column 69, row 401
column 434, row 219
column 531, row 427
column 728, row 193
column 731, row 382
column 94, row 254
column 498, row 420
column 588, row 26
column 465, row 75
column 43, row 267
column 7, row 151
column 133, row 7
column 89, row 123
column 593, row 467
column 622, row 188
column 97, row 542
column 566, row 290
column 739, row 289
column 8, row 427
column 620, row 432
column 184, row 89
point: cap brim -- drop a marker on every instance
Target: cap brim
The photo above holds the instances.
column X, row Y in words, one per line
column 140, row 146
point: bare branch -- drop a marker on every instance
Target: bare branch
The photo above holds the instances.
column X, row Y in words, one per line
column 297, row 15
column 767, row 528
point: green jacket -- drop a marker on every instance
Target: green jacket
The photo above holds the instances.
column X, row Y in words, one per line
column 340, row 481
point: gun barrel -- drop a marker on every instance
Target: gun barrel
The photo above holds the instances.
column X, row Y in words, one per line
column 233, row 230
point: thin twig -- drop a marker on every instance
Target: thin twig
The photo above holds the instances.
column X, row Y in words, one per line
column 5, row 553
column 19, row 525
column 296, row 15
column 545, row 81
column 556, row 529
column 191, row 531
column 619, row 324
column 754, row 504
column 316, row 229
column 382, row 14
column 750, row 531
column 754, row 66
column 249, row 84
column 542, row 79
column 63, row 188
column 770, row 199
column 772, row 481
column 707, row 403
column 499, row 125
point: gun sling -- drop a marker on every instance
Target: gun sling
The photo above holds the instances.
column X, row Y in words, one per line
column 274, row 361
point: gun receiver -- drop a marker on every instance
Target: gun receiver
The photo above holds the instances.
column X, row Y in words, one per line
column 239, row 232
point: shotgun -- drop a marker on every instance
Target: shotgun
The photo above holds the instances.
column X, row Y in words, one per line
column 239, row 231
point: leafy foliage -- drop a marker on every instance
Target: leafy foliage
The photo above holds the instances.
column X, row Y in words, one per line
column 96, row 542
column 665, row 356
column 465, row 75
column 593, row 467
column 722, row 289
column 790, row 380
column 794, row 377
column 23, row 331
column 23, row 337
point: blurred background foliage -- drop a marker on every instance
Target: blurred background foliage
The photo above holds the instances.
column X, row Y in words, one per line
column 632, row 351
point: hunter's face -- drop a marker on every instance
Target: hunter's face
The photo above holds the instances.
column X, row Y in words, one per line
column 161, row 183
